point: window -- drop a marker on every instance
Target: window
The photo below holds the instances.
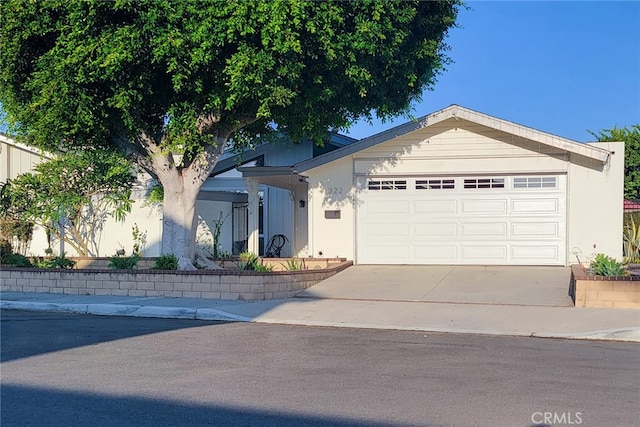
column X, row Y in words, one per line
column 474, row 183
column 535, row 182
column 435, row 184
column 387, row 185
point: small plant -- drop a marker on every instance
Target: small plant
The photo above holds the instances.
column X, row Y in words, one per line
column 166, row 262
column 251, row 261
column 139, row 239
column 59, row 262
column 16, row 260
column 631, row 240
column 603, row 265
column 248, row 261
column 217, row 230
column 263, row 268
column 294, row 264
column 118, row 262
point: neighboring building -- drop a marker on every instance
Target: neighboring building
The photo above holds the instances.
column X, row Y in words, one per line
column 17, row 158
column 454, row 187
column 630, row 206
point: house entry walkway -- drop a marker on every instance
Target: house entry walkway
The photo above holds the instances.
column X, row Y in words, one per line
column 502, row 285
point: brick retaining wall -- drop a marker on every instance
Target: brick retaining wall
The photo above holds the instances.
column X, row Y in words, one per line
column 601, row 292
column 214, row 284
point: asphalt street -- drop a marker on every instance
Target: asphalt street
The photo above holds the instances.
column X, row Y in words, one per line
column 71, row 370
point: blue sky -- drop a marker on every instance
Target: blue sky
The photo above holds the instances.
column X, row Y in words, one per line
column 559, row 67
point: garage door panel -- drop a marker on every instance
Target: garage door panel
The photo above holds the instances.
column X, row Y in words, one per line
column 484, row 229
column 538, row 253
column 437, row 229
column 442, row 253
column 388, row 254
column 481, row 253
column 506, row 221
column 435, row 206
column 535, row 229
column 381, row 207
column 484, row 207
column 535, row 206
column 374, row 230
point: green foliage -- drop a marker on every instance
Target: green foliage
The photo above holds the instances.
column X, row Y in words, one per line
column 118, row 262
column 603, row 265
column 74, row 191
column 139, row 239
column 5, row 248
column 155, row 195
column 631, row 138
column 16, row 231
column 172, row 82
column 166, row 262
column 251, row 261
column 16, row 260
column 55, row 262
column 217, row 230
column 631, row 238
column 294, row 264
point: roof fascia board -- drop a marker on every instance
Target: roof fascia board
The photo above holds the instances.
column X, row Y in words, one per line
column 564, row 144
column 257, row 171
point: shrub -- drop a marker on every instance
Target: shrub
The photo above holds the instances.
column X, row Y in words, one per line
column 294, row 264
column 57, row 262
column 117, row 262
column 16, row 260
column 166, row 262
column 251, row 261
column 631, row 239
column 5, row 248
column 603, row 265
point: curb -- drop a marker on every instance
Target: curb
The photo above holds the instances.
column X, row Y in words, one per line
column 163, row 312
column 126, row 310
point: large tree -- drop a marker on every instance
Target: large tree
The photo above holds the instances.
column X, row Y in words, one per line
column 174, row 82
column 631, row 138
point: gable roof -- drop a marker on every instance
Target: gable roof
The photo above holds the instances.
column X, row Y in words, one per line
column 228, row 162
column 460, row 113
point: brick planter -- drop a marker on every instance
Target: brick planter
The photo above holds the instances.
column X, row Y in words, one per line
column 601, row 292
column 214, row 284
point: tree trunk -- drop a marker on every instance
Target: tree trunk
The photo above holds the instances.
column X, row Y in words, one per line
column 178, row 222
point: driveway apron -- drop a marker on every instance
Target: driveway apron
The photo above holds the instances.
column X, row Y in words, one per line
column 504, row 285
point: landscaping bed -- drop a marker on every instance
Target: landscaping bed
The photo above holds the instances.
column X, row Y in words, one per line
column 590, row 290
column 92, row 277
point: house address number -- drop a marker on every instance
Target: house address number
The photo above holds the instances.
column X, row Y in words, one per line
column 334, row 190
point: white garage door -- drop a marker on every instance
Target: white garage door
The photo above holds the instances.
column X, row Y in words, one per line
column 517, row 220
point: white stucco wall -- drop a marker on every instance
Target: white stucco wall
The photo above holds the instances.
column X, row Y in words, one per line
column 117, row 235
column 331, row 187
column 210, row 212
column 595, row 205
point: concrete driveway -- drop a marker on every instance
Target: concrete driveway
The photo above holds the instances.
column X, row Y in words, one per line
column 513, row 285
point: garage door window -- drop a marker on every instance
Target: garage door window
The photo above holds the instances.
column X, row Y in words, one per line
column 388, row 185
column 535, row 182
column 475, row 183
column 435, row 184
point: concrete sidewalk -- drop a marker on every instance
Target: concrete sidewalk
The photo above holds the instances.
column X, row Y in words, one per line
column 473, row 318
